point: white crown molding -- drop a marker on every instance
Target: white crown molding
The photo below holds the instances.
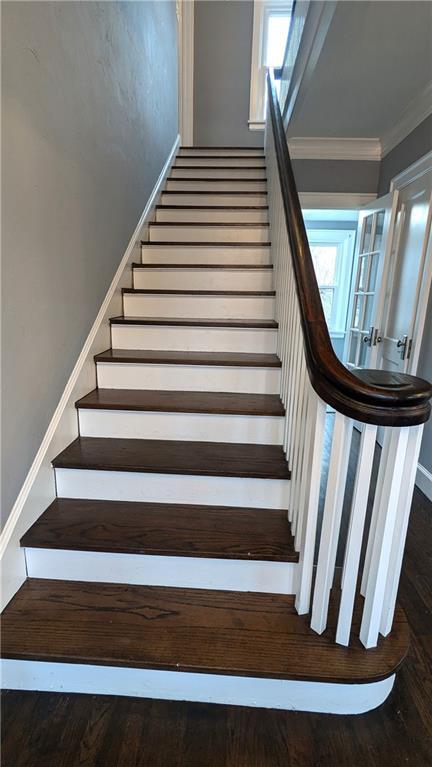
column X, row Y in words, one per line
column 414, row 114
column 322, row 148
column 335, row 200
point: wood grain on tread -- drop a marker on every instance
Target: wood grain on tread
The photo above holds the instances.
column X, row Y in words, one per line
column 194, row 630
column 215, row 166
column 162, row 456
column 200, row 191
column 211, row 207
column 183, row 402
column 194, row 322
column 159, row 529
column 172, row 179
column 226, row 359
column 233, row 293
column 139, row 265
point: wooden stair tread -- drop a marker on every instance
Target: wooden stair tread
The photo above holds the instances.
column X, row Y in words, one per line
column 139, row 265
column 240, row 633
column 183, row 402
column 159, row 456
column 218, row 166
column 231, row 293
column 200, row 191
column 155, row 357
column 194, row 322
column 164, row 530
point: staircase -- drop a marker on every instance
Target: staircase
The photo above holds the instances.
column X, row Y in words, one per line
column 166, row 566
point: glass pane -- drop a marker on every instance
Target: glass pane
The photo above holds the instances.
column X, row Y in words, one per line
column 368, row 312
column 379, row 230
column 352, row 352
column 362, row 352
column 373, row 271
column 327, row 302
column 324, row 260
column 357, row 311
column 367, row 234
column 277, row 33
column 363, row 267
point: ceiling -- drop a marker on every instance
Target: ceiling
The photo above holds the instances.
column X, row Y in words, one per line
column 376, row 58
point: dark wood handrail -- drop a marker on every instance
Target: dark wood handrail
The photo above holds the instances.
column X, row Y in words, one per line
column 372, row 396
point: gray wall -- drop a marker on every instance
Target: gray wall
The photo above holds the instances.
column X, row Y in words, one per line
column 415, row 145
column 351, row 176
column 89, row 114
column 222, row 61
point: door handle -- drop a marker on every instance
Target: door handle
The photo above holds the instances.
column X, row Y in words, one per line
column 402, row 345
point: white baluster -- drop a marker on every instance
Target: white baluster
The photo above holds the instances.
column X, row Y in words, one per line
column 383, row 537
column 336, row 484
column 376, row 508
column 317, row 413
column 400, row 529
column 355, row 534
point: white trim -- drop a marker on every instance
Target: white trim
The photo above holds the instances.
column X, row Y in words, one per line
column 170, row 571
column 414, row 171
column 336, row 200
column 417, row 110
column 185, row 17
column 424, row 481
column 38, row 489
column 322, row 148
column 286, row 694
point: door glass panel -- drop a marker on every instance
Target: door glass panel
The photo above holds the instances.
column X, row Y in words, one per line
column 379, row 227
column 368, row 312
column 363, row 268
column 362, row 352
column 352, row 353
column 357, row 311
column 373, row 270
column 367, row 234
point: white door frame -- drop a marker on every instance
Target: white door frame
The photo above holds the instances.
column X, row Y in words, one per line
column 185, row 18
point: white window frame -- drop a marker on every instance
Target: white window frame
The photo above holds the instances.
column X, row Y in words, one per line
column 344, row 240
column 262, row 10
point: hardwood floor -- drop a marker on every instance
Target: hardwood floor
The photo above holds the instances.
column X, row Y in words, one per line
column 56, row 730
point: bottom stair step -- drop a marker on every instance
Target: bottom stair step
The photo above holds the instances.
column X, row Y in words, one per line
column 51, row 624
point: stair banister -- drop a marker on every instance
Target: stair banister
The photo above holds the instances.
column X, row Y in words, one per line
column 312, row 378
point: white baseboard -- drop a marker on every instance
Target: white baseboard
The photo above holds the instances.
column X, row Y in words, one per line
column 38, row 489
column 424, row 481
column 287, row 694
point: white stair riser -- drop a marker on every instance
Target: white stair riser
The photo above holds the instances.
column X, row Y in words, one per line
column 226, row 185
column 202, row 233
column 219, row 172
column 220, row 152
column 212, row 254
column 322, row 697
column 231, row 162
column 207, row 198
column 172, row 488
column 203, row 279
column 210, row 307
column 188, row 378
column 146, row 570
column 199, row 427
column 197, row 215
column 202, row 339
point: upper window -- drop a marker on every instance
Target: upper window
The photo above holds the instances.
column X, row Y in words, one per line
column 270, row 31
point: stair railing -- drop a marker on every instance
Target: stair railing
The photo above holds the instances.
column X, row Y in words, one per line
column 312, row 379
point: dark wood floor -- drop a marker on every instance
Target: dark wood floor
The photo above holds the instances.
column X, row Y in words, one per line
column 56, row 730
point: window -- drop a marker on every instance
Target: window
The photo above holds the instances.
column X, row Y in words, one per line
column 270, row 31
column 332, row 256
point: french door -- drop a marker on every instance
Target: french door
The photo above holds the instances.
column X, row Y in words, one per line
column 371, row 265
